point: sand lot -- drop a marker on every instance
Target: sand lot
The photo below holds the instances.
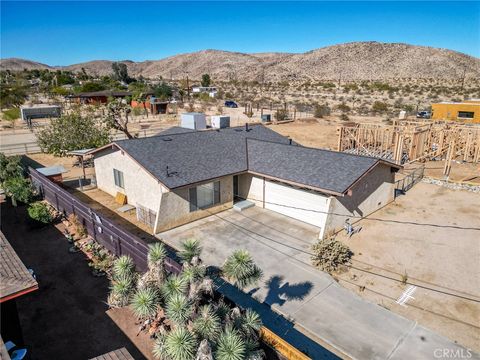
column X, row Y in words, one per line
column 442, row 261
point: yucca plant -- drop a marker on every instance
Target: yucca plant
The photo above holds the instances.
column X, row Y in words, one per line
column 230, row 346
column 178, row 344
column 121, row 290
column 193, row 273
column 156, row 253
column 222, row 310
column 207, row 325
column 174, row 285
column 240, row 269
column 145, row 303
column 190, row 248
column 250, row 323
column 123, row 267
column 178, row 309
column 253, row 352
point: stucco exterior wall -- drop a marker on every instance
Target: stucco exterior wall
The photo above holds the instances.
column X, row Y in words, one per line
column 140, row 187
column 174, row 209
column 371, row 193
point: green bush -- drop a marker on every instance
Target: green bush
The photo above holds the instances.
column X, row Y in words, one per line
column 19, row 189
column 11, row 114
column 39, row 211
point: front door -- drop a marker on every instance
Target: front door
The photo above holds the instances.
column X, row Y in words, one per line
column 236, row 196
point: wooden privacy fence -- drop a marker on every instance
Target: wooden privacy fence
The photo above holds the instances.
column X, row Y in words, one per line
column 114, row 238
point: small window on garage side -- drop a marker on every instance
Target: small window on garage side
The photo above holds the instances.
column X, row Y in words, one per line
column 204, row 196
column 118, row 176
column 466, row 114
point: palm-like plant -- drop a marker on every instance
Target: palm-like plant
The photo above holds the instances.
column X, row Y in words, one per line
column 123, row 266
column 190, row 248
column 156, row 274
column 178, row 309
column 178, row 344
column 157, row 253
column 207, row 325
column 121, row 290
column 250, row 323
column 240, row 269
column 145, row 303
column 230, row 346
column 174, row 285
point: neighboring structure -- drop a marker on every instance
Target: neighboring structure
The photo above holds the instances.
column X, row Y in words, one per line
column 98, row 97
column 152, row 104
column 210, row 90
column 15, row 281
column 194, row 120
column 220, row 121
column 39, row 111
column 53, row 173
column 466, row 111
column 183, row 175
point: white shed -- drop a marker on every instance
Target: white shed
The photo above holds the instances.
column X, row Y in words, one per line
column 194, row 120
column 220, row 121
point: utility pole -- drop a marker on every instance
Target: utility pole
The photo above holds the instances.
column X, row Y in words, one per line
column 463, row 76
column 188, row 88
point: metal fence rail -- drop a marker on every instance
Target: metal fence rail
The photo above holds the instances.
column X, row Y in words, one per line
column 405, row 184
column 113, row 237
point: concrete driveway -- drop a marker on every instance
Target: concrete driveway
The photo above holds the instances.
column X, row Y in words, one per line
column 310, row 298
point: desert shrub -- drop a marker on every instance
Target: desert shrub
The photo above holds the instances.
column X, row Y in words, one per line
column 344, row 108
column 78, row 226
column 281, row 114
column 41, row 212
column 344, row 117
column 321, row 111
column 329, row 254
column 379, row 106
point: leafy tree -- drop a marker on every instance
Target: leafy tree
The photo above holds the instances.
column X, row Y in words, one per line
column 64, row 78
column 241, row 269
column 58, row 90
column 12, row 95
column 10, row 167
column 206, row 81
column 120, row 72
column 92, row 86
column 19, row 189
column 72, row 132
column 163, row 91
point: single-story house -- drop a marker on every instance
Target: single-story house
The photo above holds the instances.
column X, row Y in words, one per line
column 98, row 97
column 183, row 175
column 210, row 90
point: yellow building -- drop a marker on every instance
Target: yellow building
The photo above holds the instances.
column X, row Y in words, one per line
column 466, row 111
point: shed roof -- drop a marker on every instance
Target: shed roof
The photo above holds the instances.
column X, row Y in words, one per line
column 102, row 93
column 52, row 170
column 15, row 279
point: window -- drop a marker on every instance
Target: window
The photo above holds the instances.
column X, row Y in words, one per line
column 466, row 114
column 118, row 177
column 204, row 196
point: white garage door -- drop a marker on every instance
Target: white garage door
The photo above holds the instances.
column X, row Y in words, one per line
column 291, row 202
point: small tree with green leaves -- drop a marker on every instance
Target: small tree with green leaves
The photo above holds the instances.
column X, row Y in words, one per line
column 19, row 189
column 40, row 212
column 206, row 81
column 72, row 132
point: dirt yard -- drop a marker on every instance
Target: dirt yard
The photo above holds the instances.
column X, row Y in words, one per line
column 440, row 259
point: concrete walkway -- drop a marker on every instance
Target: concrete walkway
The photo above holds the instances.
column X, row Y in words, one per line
column 310, row 299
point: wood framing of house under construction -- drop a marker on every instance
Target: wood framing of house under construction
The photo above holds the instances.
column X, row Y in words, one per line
column 406, row 142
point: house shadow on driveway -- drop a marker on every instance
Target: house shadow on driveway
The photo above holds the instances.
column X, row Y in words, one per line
column 66, row 318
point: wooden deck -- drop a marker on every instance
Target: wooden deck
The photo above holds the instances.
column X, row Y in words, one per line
column 119, row 354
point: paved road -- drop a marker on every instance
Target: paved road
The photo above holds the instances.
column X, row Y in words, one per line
column 354, row 327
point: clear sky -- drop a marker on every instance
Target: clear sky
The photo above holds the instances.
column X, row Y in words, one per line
column 61, row 33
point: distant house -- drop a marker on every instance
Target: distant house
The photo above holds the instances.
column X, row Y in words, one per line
column 183, row 175
column 98, row 97
column 465, row 111
column 210, row 90
column 152, row 105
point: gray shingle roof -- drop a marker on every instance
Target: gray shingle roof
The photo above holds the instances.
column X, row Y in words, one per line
column 14, row 276
column 195, row 156
column 323, row 169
